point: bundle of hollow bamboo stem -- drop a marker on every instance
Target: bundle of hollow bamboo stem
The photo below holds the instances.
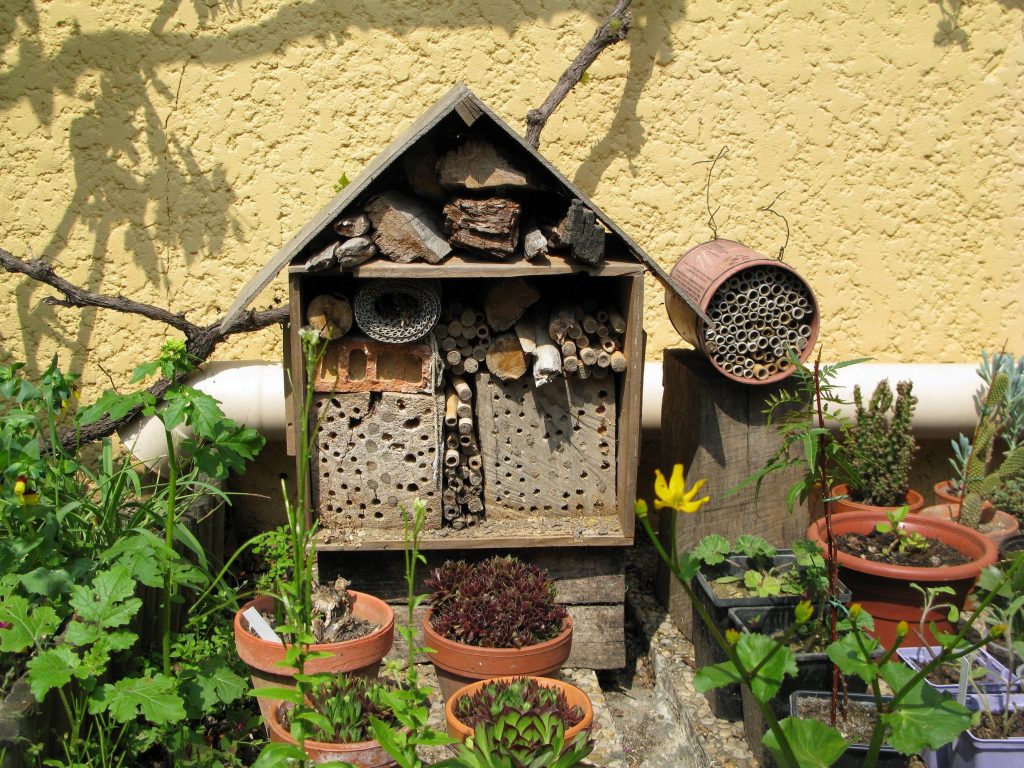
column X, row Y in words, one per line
column 462, row 495
column 589, row 338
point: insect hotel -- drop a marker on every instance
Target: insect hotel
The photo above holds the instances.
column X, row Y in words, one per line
column 485, row 354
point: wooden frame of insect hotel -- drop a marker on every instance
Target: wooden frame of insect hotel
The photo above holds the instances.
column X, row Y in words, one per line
column 485, row 354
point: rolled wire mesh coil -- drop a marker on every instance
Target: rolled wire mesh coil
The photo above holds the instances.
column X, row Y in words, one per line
column 397, row 311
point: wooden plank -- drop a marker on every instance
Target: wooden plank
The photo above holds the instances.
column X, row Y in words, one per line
column 462, row 264
column 330, row 542
column 631, row 401
column 598, row 635
column 717, row 429
column 580, row 577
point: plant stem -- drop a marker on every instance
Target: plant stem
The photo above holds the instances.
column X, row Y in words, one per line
column 172, row 491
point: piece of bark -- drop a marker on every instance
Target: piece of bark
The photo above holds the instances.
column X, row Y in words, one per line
column 323, row 259
column 586, row 235
column 330, row 315
column 548, row 363
column 526, row 332
column 354, row 224
column 557, row 235
column 535, row 244
column 420, row 167
column 489, row 227
column 479, row 165
column 355, row 251
column 507, row 300
column 505, row 358
column 405, row 229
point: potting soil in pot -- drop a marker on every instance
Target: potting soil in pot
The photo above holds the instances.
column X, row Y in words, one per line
column 856, row 727
column 875, row 546
column 1000, row 725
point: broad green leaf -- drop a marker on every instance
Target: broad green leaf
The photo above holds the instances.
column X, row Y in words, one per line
column 687, row 566
column 279, row 755
column 51, row 669
column 754, row 546
column 29, row 624
column 715, row 676
column 846, row 654
column 48, row 582
column 752, row 650
column 924, row 717
column 153, row 697
column 712, row 549
column 110, row 404
column 814, row 744
column 109, row 603
column 218, row 683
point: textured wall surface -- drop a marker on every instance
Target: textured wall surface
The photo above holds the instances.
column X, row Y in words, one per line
column 165, row 150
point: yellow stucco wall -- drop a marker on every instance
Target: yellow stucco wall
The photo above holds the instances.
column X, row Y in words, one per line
column 165, row 150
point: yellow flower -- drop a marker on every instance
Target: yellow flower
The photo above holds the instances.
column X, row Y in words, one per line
column 804, row 611
column 732, row 636
column 674, row 495
column 20, row 486
column 902, row 629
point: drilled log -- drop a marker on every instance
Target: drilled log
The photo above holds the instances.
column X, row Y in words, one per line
column 405, row 229
column 489, row 227
column 505, row 358
column 330, row 315
column 506, row 301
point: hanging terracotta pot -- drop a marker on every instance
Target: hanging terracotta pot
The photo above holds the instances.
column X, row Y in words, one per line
column 360, row 656
column 457, row 664
column 363, row 754
column 996, row 524
column 914, row 500
column 884, row 590
column 573, row 695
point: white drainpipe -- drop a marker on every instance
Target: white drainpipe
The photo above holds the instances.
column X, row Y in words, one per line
column 252, row 393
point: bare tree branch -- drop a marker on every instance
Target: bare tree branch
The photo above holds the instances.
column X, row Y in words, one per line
column 200, row 340
column 614, row 30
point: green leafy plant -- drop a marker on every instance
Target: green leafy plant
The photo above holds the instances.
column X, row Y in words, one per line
column 523, row 695
column 806, row 575
column 518, row 740
column 914, row 718
column 882, row 447
column 903, row 539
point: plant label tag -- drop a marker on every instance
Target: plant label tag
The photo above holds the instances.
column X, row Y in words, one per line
column 260, row 626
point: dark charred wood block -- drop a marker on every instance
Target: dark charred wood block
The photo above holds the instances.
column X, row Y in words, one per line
column 586, row 235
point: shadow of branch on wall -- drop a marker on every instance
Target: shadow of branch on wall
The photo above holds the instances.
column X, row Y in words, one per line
column 136, row 177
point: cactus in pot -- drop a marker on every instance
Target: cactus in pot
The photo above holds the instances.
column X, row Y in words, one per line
column 881, row 449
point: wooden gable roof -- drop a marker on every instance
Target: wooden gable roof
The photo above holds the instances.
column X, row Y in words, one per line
column 468, row 108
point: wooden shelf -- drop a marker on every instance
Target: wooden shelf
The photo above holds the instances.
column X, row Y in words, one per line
column 604, row 531
column 461, row 265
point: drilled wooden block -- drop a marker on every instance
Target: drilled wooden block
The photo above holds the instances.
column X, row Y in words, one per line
column 547, row 450
column 375, row 452
column 354, row 364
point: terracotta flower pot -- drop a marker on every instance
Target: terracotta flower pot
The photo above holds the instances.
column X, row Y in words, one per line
column 459, row 664
column 997, row 527
column 365, row 754
column 884, row 590
column 914, row 500
column 459, row 730
column 361, row 656
column 943, row 495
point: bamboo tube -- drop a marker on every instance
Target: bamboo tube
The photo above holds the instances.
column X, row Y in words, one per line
column 470, row 365
column 451, row 418
column 453, row 357
column 462, row 389
column 618, row 362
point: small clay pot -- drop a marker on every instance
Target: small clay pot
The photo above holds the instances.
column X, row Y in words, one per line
column 364, row 754
column 914, row 500
column 943, row 495
column 458, row 664
column 998, row 524
column 361, row 656
column 573, row 695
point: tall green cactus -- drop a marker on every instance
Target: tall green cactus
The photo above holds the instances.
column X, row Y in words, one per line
column 980, row 483
column 882, row 449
